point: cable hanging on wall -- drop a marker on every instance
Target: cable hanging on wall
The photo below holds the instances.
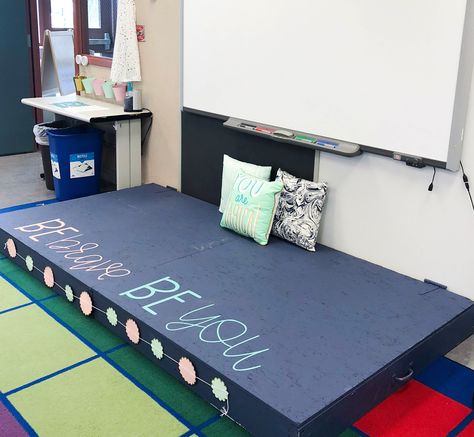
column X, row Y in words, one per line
column 466, row 184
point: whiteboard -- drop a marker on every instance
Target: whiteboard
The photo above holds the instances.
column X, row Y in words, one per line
column 58, row 63
column 392, row 75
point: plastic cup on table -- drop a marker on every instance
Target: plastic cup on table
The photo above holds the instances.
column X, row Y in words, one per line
column 107, row 87
column 97, row 84
column 78, row 83
column 120, row 90
column 87, row 82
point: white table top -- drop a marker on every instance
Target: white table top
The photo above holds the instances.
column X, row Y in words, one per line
column 83, row 108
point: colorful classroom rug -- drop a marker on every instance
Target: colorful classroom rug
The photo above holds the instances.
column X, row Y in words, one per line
column 63, row 374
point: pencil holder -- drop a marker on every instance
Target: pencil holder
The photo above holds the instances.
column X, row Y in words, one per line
column 119, row 92
column 108, row 89
column 78, row 83
column 87, row 82
column 97, row 84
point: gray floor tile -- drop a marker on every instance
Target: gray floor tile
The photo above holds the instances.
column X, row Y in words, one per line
column 464, row 353
column 20, row 180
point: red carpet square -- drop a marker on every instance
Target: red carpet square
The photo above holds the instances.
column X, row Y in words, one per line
column 468, row 431
column 413, row 411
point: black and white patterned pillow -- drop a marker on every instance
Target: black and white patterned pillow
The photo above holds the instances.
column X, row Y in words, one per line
column 299, row 210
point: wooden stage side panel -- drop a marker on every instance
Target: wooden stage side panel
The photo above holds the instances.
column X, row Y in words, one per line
column 305, row 343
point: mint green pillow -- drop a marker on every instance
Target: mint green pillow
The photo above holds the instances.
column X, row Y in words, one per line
column 251, row 207
column 231, row 169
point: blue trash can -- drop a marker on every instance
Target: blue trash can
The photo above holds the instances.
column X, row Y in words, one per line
column 76, row 160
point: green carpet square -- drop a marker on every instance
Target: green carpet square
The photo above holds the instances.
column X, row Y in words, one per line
column 10, row 297
column 24, row 280
column 94, row 400
column 172, row 392
column 89, row 328
column 34, row 345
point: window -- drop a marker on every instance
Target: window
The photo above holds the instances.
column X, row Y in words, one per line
column 94, row 14
column 54, row 15
column 93, row 21
column 62, row 14
column 102, row 18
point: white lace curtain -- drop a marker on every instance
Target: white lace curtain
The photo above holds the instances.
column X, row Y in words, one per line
column 126, row 61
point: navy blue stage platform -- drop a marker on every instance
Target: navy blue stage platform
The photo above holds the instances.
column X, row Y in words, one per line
column 305, row 343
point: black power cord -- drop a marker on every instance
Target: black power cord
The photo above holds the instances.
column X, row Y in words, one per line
column 466, row 184
column 150, row 124
column 430, row 188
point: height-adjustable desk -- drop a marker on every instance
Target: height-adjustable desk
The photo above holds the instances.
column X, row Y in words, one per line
column 127, row 126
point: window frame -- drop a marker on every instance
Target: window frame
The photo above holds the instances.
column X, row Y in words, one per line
column 81, row 43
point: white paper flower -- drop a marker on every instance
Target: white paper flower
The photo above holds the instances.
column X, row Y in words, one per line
column 69, row 293
column 29, row 263
column 157, row 348
column 112, row 316
column 219, row 389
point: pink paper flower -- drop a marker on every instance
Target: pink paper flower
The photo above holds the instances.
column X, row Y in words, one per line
column 48, row 277
column 132, row 330
column 187, row 371
column 11, row 248
column 85, row 302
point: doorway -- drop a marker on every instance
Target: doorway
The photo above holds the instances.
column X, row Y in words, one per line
column 18, row 79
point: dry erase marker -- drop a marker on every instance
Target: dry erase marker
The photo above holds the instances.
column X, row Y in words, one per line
column 327, row 143
column 247, row 126
column 264, row 130
column 305, row 139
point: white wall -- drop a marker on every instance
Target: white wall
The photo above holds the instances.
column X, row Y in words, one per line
column 381, row 210
column 160, row 60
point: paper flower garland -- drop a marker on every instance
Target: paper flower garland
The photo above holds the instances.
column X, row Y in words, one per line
column 187, row 371
column 186, row 367
column 11, row 248
column 112, row 316
column 157, row 348
column 219, row 389
column 29, row 263
column 85, row 302
column 69, row 293
column 132, row 330
column 48, row 277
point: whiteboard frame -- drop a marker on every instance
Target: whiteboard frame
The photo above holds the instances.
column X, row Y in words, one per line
column 463, row 88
